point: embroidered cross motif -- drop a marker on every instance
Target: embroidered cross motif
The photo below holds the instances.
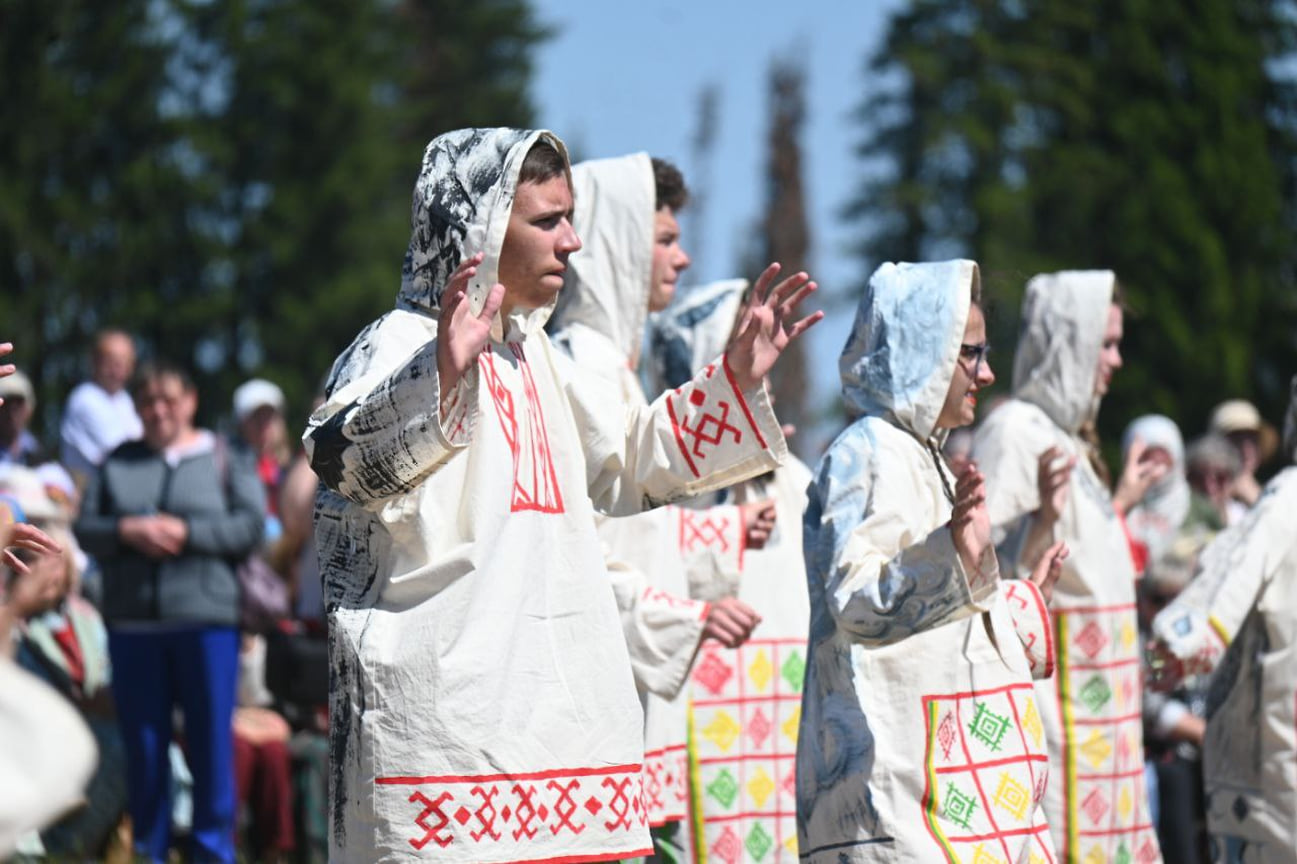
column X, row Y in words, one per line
column 485, row 814
column 621, row 814
column 527, row 815
column 705, row 531
column 712, row 428
column 431, row 832
column 564, row 807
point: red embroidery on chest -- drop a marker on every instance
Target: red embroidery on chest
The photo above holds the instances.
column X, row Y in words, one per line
column 701, row 529
column 535, row 482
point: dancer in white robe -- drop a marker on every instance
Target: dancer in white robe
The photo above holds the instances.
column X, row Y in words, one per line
column 921, row 735
column 482, row 705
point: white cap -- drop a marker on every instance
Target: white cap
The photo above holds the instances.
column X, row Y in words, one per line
column 1236, row 415
column 253, row 394
column 17, row 386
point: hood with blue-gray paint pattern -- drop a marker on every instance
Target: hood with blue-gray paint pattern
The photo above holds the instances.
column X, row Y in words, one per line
column 900, row 357
column 692, row 332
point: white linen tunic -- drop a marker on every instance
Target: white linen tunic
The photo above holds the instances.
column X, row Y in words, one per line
column 921, row 736
column 1239, row 617
column 654, row 556
column 745, row 702
column 482, row 704
column 1097, row 801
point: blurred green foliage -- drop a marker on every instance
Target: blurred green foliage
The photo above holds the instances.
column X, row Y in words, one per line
column 1155, row 139
column 230, row 181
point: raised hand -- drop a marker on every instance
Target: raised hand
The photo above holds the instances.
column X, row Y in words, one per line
column 730, row 622
column 970, row 521
column 1144, row 467
column 1053, row 480
column 766, row 325
column 28, row 537
column 758, row 522
column 461, row 335
column 6, row 369
column 1049, row 568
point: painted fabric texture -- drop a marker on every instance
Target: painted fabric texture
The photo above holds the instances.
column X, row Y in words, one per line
column 482, row 703
column 921, row 736
column 745, row 703
column 1239, row 617
column 1097, row 803
column 599, row 323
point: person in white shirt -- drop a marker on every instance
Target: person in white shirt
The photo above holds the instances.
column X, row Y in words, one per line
column 99, row 413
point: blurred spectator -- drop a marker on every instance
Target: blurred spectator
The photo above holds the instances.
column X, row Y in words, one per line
column 262, row 761
column 166, row 523
column 1255, row 441
column 17, row 444
column 99, row 413
column 259, row 414
column 63, row 642
column 46, row 753
column 1155, row 520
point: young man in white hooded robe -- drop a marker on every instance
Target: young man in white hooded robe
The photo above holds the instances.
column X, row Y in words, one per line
column 744, row 701
column 1238, row 618
column 1068, row 350
column 629, row 262
column 482, row 704
column 921, row 736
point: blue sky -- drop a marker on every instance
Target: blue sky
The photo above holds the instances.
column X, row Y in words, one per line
column 621, row 77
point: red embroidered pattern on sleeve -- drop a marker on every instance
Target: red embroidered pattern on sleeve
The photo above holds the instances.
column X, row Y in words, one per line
column 702, row 421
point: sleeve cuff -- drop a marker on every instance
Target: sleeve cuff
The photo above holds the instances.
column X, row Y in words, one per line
column 1032, row 623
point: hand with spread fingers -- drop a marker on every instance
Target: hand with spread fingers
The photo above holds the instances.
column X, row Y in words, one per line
column 970, row 521
column 461, row 335
column 1143, row 468
column 1053, row 482
column 766, row 325
column 29, row 539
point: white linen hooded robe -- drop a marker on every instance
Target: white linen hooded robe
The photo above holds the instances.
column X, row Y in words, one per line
column 1097, row 802
column 921, row 736
column 1239, row 616
column 599, row 323
column 745, row 702
column 482, row 705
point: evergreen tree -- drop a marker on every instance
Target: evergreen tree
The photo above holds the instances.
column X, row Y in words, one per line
column 1156, row 140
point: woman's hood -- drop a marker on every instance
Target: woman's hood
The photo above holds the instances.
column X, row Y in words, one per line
column 607, row 283
column 900, row 357
column 692, row 332
column 461, row 206
column 1064, row 316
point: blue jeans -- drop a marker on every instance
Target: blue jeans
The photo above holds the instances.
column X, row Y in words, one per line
column 197, row 669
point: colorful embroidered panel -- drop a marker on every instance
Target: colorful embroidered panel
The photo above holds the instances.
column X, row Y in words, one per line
column 743, row 734
column 1099, row 702
column 986, row 768
column 515, row 814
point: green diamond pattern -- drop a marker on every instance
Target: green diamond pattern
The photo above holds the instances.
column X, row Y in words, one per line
column 959, row 807
column 794, row 670
column 759, row 842
column 724, row 788
column 988, row 727
column 1095, row 693
column 1123, row 855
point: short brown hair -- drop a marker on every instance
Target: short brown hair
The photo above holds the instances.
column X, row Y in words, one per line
column 671, row 191
column 542, row 163
column 151, row 373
